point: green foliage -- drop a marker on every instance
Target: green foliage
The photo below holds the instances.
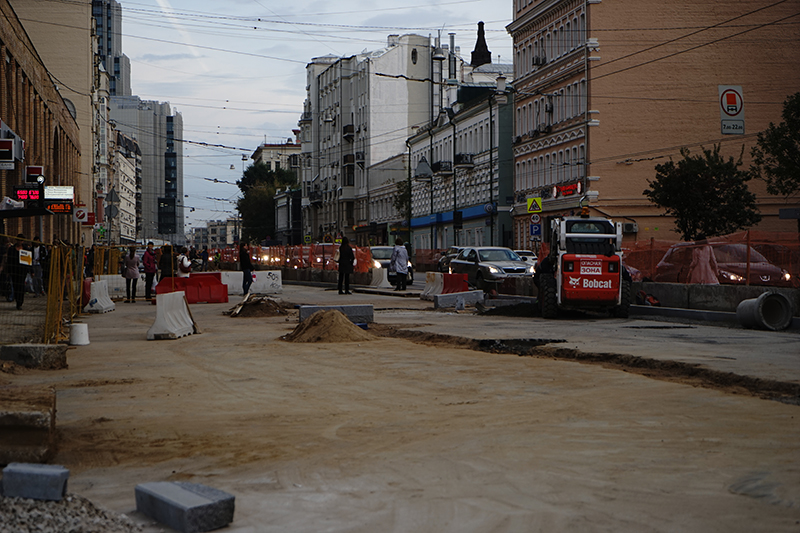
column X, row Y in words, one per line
column 707, row 195
column 402, row 200
column 257, row 205
column 776, row 156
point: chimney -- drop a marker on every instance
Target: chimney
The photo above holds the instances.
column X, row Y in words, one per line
column 481, row 55
column 394, row 40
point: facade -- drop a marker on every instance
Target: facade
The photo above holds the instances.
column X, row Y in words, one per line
column 127, row 168
column 64, row 38
column 222, row 233
column 108, row 17
column 467, row 199
column 595, row 110
column 37, row 119
column 158, row 132
column 276, row 156
column 358, row 112
column 288, row 216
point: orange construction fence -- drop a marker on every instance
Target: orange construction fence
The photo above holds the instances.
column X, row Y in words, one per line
column 299, row 256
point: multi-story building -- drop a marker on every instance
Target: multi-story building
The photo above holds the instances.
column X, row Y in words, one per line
column 39, row 129
column 222, row 233
column 127, row 171
column 462, row 193
column 604, row 91
column 158, row 131
column 108, row 17
column 284, row 156
column 288, row 216
column 359, row 110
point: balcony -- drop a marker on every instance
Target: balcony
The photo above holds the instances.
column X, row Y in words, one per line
column 360, row 159
column 442, row 167
column 349, row 132
column 348, row 160
column 315, row 197
column 306, row 116
column 464, row 161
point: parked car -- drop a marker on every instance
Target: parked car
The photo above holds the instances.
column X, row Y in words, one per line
column 489, row 265
column 447, row 256
column 527, row 255
column 731, row 265
column 380, row 259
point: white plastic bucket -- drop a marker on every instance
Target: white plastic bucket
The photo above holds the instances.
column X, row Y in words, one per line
column 78, row 334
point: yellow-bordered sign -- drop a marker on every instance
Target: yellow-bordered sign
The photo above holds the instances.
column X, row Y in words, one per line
column 535, row 205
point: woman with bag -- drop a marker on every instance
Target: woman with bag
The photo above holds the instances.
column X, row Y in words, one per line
column 130, row 271
column 150, row 269
column 399, row 263
column 184, row 265
column 345, row 260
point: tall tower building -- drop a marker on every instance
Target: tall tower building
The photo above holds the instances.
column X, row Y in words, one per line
column 158, row 131
column 108, row 14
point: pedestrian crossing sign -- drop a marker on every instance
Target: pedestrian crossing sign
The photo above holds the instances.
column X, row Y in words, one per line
column 534, row 205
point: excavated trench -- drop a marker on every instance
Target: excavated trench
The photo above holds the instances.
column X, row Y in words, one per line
column 674, row 371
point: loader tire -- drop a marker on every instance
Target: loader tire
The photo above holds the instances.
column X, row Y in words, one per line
column 623, row 309
column 548, row 303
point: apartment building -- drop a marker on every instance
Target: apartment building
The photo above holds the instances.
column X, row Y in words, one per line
column 284, row 156
column 604, row 91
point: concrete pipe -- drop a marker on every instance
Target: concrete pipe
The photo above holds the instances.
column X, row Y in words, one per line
column 771, row 310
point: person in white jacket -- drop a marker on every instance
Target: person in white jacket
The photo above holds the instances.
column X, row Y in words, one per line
column 399, row 263
column 184, row 265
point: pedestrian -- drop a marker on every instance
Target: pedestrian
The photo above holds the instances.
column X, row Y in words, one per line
column 89, row 267
column 166, row 263
column 17, row 265
column 346, row 259
column 184, row 264
column 150, row 269
column 399, row 263
column 217, row 259
column 37, row 274
column 247, row 268
column 130, row 271
column 204, row 258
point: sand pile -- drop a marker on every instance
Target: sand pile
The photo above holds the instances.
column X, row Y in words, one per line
column 255, row 306
column 328, row 326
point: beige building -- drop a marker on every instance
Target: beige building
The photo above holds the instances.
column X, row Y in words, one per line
column 604, row 91
column 64, row 37
column 280, row 155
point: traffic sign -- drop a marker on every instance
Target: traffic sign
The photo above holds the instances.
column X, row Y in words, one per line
column 535, row 219
column 731, row 109
column 534, row 205
column 536, row 230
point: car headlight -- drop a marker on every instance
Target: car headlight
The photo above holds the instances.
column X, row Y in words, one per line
column 785, row 276
column 493, row 270
column 376, row 264
column 531, row 269
column 730, row 276
column 409, row 264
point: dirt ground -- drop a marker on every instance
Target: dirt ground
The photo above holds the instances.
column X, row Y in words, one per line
column 392, row 435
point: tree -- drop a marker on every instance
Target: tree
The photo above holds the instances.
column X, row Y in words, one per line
column 257, row 204
column 776, row 155
column 402, row 200
column 707, row 195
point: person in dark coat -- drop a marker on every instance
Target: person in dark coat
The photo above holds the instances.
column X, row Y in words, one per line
column 346, row 260
column 166, row 263
column 130, row 271
column 150, row 269
column 16, row 270
column 247, row 268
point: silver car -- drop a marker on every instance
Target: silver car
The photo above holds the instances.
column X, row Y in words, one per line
column 486, row 266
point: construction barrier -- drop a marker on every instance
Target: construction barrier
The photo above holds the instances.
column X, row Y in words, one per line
column 455, row 283
column 264, row 282
column 434, row 285
column 99, row 302
column 380, row 279
column 201, row 288
column 173, row 318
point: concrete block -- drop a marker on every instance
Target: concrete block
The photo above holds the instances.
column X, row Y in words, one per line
column 186, row 507
column 358, row 314
column 27, row 424
column 264, row 282
column 41, row 356
column 34, row 481
column 452, row 299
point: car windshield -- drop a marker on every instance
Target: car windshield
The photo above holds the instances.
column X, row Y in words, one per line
column 381, row 253
column 737, row 253
column 498, row 255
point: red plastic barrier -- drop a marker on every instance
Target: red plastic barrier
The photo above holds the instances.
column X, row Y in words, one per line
column 199, row 288
column 455, row 283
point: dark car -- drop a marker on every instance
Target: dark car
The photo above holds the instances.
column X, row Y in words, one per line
column 489, row 265
column 380, row 259
column 447, row 256
column 731, row 265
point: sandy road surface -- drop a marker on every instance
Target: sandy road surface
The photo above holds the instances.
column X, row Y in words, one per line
column 389, row 435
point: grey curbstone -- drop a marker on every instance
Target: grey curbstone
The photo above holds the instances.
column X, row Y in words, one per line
column 185, row 507
column 453, row 299
column 34, row 481
column 358, row 314
column 42, row 356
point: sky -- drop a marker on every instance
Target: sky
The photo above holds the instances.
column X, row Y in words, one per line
column 235, row 69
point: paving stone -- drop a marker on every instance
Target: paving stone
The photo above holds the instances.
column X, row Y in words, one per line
column 358, row 314
column 185, row 507
column 41, row 356
column 35, row 481
column 452, row 299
